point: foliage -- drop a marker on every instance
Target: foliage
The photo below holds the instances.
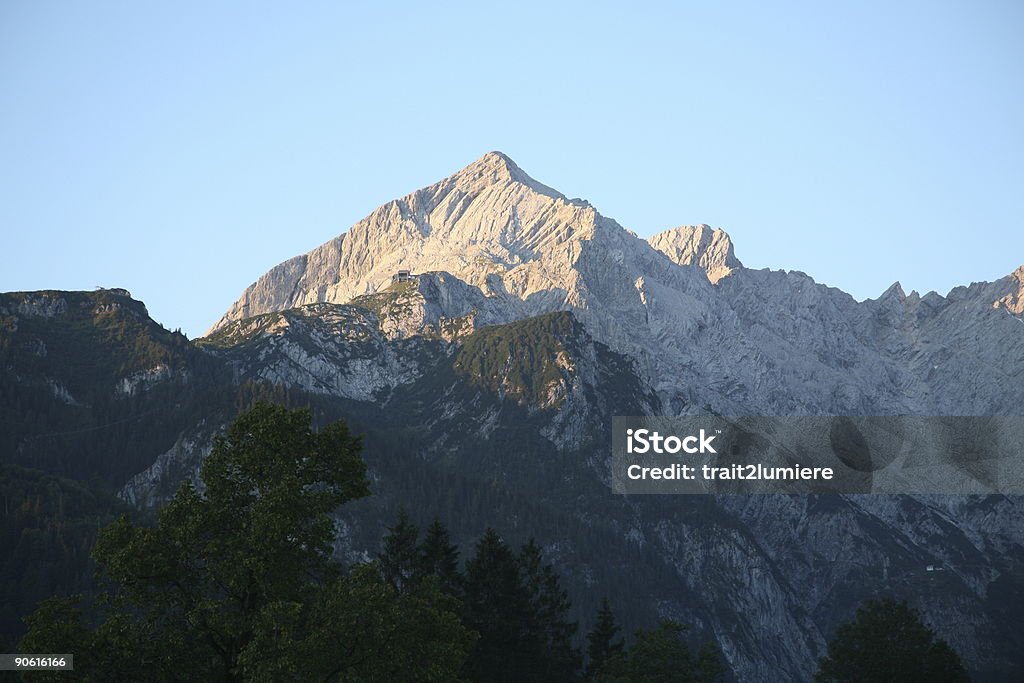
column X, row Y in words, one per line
column 601, row 641
column 888, row 642
column 359, row 628
column 516, row 605
column 399, row 560
column 549, row 607
column 236, row 583
column 521, row 360
column 47, row 528
column 92, row 388
column 661, row 655
column 440, row 558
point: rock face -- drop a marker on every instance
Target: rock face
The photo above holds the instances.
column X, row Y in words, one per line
column 342, row 351
column 488, row 219
column 705, row 332
column 698, row 245
column 1013, row 302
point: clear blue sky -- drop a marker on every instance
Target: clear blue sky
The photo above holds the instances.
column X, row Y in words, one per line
column 182, row 149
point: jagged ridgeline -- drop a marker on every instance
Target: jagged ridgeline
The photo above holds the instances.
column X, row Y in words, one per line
column 481, row 333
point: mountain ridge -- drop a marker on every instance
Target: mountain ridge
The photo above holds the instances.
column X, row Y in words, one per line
column 493, row 217
column 518, row 418
column 514, row 204
column 500, row 245
column 486, row 382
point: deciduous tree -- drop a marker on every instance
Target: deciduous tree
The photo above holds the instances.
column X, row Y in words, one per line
column 236, row 582
column 888, row 642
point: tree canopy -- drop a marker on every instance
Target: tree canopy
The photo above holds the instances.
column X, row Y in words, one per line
column 602, row 644
column 236, row 582
column 662, row 655
column 887, row 642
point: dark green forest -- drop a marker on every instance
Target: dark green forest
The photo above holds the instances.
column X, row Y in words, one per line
column 47, row 532
column 237, row 582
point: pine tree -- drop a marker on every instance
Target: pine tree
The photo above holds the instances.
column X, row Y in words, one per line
column 497, row 606
column 399, row 557
column 438, row 557
column 550, row 627
column 601, row 642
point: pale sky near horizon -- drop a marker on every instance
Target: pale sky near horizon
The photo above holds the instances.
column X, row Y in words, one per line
column 181, row 150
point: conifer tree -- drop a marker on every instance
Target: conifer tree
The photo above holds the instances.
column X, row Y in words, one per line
column 399, row 558
column 601, row 641
column 496, row 605
column 550, row 627
column 514, row 601
column 661, row 655
column 438, row 557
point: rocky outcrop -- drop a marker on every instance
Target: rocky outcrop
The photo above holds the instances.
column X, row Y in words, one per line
column 1013, row 301
column 157, row 484
column 701, row 246
column 42, row 304
column 341, row 351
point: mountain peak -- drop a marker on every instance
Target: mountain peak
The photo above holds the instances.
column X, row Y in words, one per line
column 1014, row 299
column 497, row 165
column 698, row 245
column 895, row 291
column 485, row 220
column 499, row 159
column 497, row 168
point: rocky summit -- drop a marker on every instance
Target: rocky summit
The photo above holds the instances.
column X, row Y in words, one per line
column 483, row 331
column 706, row 333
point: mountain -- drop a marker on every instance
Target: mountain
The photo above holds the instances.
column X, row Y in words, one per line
column 478, row 224
column 92, row 388
column 707, row 333
column 485, row 380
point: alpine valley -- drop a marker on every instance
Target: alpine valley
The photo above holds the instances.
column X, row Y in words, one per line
column 481, row 333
